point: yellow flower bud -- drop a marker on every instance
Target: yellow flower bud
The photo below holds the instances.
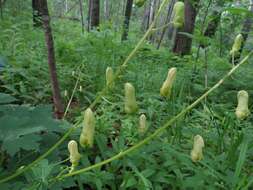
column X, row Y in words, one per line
column 130, row 100
column 196, row 153
column 142, row 124
column 139, row 3
column 87, row 135
column 80, row 88
column 178, row 12
column 237, row 44
column 165, row 91
column 242, row 110
column 74, row 155
column 65, row 93
column 109, row 77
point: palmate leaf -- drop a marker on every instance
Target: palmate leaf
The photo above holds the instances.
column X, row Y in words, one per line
column 28, row 142
column 21, row 127
column 42, row 171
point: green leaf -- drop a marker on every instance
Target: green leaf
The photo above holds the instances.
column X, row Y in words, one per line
column 42, row 171
column 22, row 127
column 239, row 11
column 6, row 98
column 241, row 160
column 29, row 142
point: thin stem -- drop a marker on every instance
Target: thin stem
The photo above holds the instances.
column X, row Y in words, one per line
column 233, row 59
column 162, row 27
column 97, row 99
column 168, row 18
column 159, row 130
column 73, row 92
column 81, row 14
column 61, row 162
column 221, row 39
column 206, row 72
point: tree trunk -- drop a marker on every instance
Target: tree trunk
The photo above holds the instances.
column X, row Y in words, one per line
column 167, row 20
column 156, row 5
column 152, row 10
column 128, row 13
column 145, row 21
column 106, row 9
column 66, row 6
column 81, row 14
column 171, row 29
column 37, row 8
column 246, row 29
column 1, row 8
column 58, row 107
column 182, row 44
column 89, row 15
column 152, row 15
column 94, row 14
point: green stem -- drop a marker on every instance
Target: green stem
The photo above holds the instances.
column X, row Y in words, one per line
column 160, row 130
column 162, row 27
column 73, row 92
column 97, row 99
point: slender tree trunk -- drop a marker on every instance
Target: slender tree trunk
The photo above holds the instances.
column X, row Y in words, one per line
column 145, row 20
column 124, row 6
column 89, row 15
column 182, row 44
column 95, row 9
column 156, row 6
column 81, row 13
column 66, row 6
column 59, row 110
column 152, row 16
column 106, row 9
column 37, row 7
column 167, row 20
column 171, row 29
column 1, row 8
column 128, row 13
column 147, row 14
column 246, row 29
column 152, row 10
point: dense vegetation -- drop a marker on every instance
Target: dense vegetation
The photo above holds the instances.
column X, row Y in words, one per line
column 28, row 128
